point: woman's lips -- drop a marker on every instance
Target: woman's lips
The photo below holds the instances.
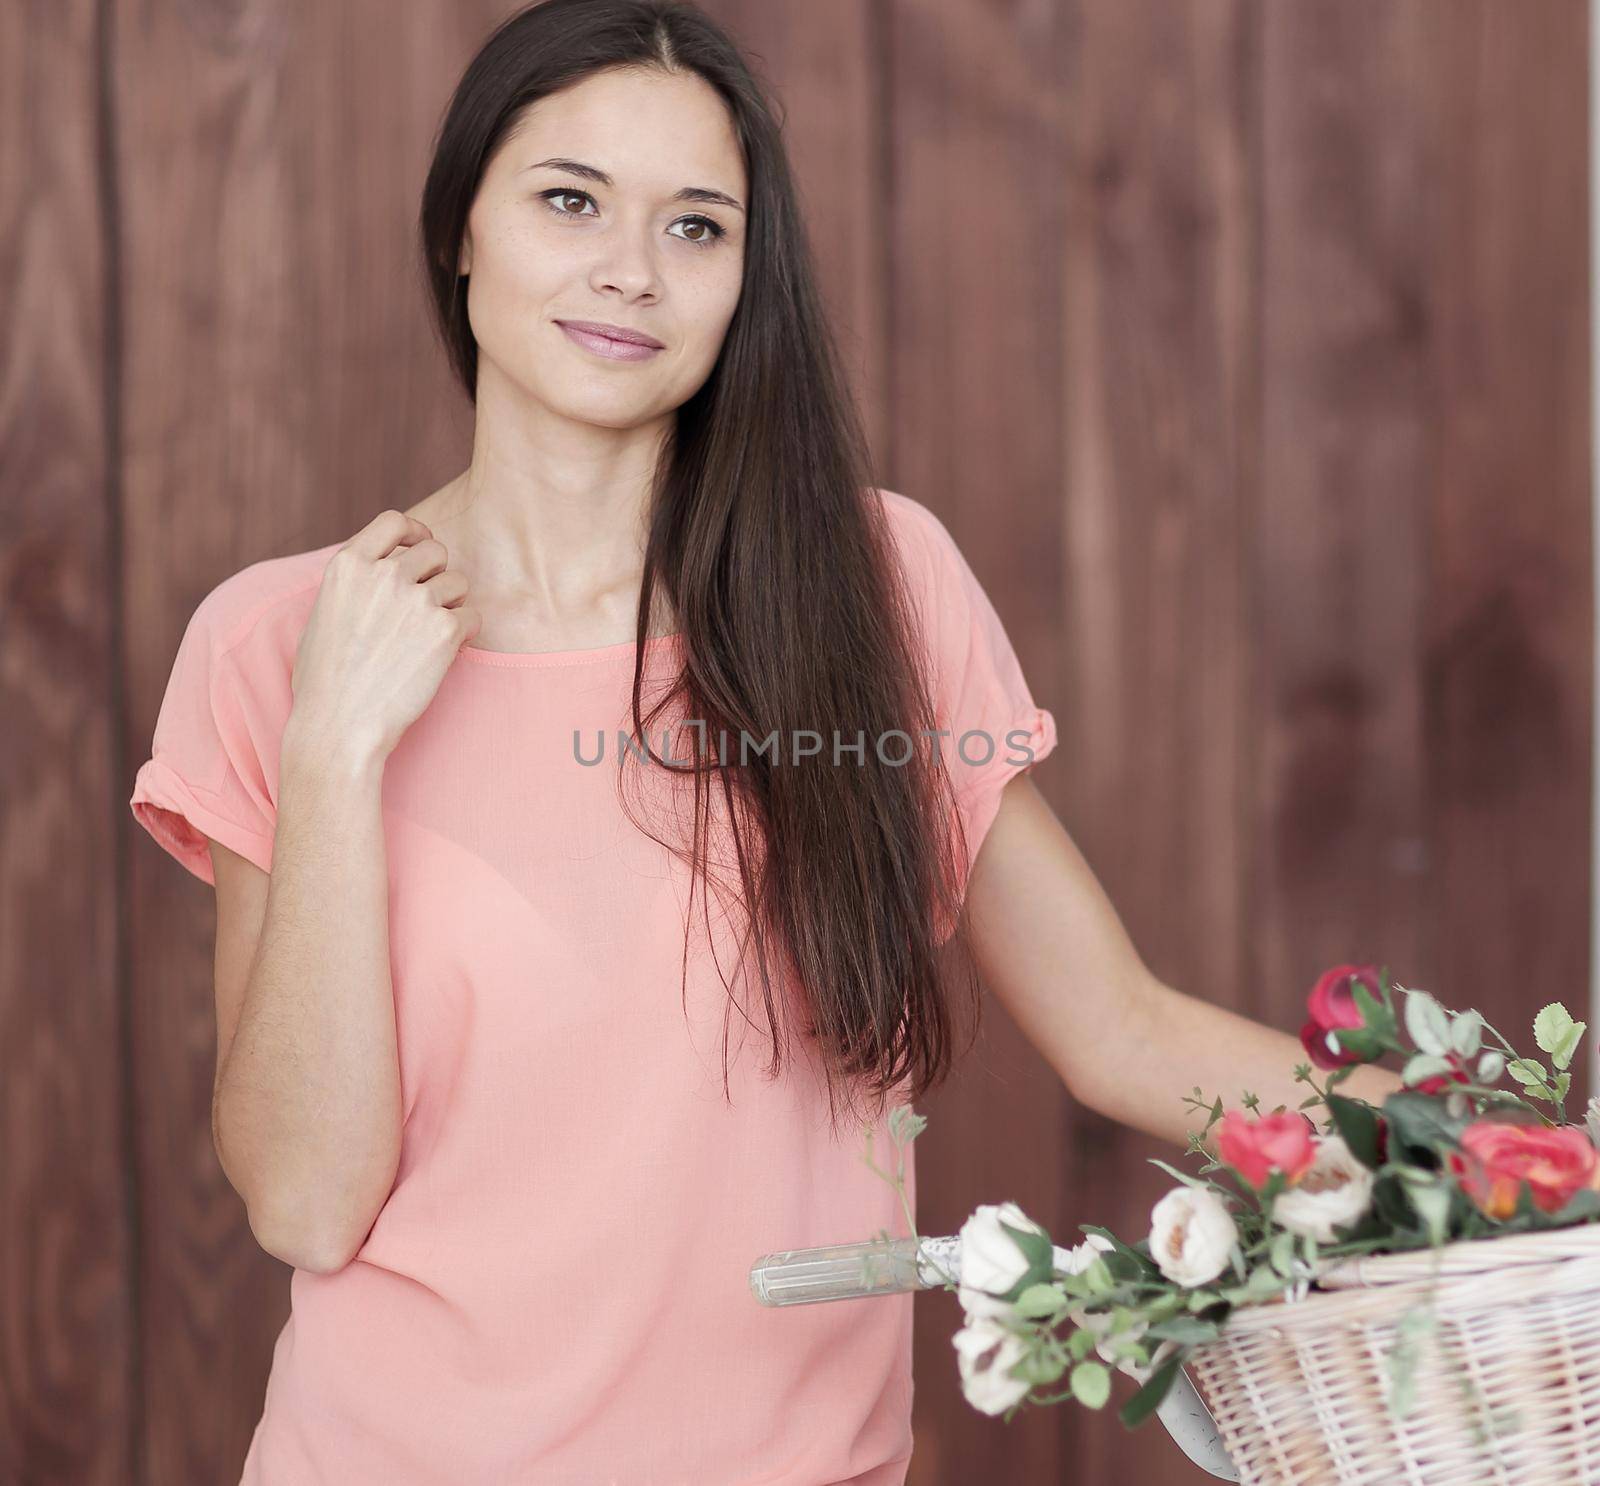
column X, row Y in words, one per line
column 603, row 345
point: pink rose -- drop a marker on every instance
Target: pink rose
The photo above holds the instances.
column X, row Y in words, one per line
column 1497, row 1157
column 1253, row 1148
column 1332, row 1005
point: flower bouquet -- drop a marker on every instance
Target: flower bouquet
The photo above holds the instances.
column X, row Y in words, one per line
column 1502, row 1340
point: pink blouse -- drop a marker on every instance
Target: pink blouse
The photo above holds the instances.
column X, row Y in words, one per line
column 557, row 1288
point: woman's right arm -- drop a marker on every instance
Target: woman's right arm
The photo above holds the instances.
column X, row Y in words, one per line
column 306, row 1109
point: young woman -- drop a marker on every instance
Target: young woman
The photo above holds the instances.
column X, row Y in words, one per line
column 527, row 1048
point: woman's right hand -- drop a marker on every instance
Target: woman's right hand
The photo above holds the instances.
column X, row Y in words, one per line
column 387, row 622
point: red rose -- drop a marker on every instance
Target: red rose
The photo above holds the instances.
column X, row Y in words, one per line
column 1498, row 1157
column 1436, row 1083
column 1254, row 1147
column 1332, row 1005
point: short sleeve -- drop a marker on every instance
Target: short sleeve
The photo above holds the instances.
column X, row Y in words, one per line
column 996, row 729
column 211, row 775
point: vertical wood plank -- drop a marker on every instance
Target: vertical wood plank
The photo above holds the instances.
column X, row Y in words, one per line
column 1338, row 544
column 68, row 1389
column 1508, row 645
column 1157, row 466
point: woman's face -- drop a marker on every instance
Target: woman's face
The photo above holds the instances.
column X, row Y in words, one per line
column 547, row 243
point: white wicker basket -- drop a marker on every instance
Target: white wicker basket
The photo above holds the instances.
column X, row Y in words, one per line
column 1299, row 1387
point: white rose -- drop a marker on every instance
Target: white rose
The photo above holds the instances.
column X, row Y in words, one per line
column 985, row 1353
column 1080, row 1258
column 977, row 1302
column 1191, row 1235
column 991, row 1262
column 1336, row 1188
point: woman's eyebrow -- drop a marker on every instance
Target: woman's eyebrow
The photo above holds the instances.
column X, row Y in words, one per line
column 592, row 173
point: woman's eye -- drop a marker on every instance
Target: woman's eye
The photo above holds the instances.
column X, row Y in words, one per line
column 710, row 231
column 561, row 194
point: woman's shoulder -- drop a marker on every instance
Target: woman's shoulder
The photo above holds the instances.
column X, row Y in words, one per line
column 928, row 554
column 270, row 598
column 905, row 514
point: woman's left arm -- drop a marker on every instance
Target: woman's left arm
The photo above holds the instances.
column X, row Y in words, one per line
column 1049, row 944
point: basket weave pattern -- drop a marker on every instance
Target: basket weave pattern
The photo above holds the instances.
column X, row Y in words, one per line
column 1298, row 1387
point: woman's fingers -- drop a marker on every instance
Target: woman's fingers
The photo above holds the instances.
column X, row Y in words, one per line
column 447, row 588
column 386, row 531
column 420, row 560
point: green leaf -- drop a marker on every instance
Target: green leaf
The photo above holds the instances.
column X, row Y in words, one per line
column 1419, row 1123
column 1148, row 1398
column 1091, row 1384
column 1552, row 1025
column 1413, row 1326
column 1281, row 1253
column 1556, row 1033
column 1081, row 1343
column 1275, row 1183
column 1263, row 1281
column 1466, row 1033
column 1134, row 1264
column 1563, row 1054
column 1199, row 1182
column 1098, row 1276
column 1031, row 1242
column 1375, row 1016
column 1167, row 1304
column 1037, row 1250
column 1390, row 1204
column 1359, row 1042
column 1424, row 1065
column 1490, row 1066
column 1126, row 1345
column 1529, row 1072
column 1039, row 1300
column 1431, row 1199
column 1184, row 1329
column 1074, row 1285
column 1385, row 982
column 1580, row 1207
column 905, row 1124
column 1039, row 1367
column 1357, row 1122
column 1426, row 1023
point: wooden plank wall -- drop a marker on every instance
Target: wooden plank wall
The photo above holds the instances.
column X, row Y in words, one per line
column 1242, row 345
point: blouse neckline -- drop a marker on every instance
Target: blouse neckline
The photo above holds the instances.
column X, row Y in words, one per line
column 543, row 658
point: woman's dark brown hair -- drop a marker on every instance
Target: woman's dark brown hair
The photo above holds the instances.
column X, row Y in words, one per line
column 768, row 536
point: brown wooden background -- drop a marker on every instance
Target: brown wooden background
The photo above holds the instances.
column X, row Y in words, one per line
column 1243, row 344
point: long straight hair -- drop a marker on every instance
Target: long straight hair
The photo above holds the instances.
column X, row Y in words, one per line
column 767, row 534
